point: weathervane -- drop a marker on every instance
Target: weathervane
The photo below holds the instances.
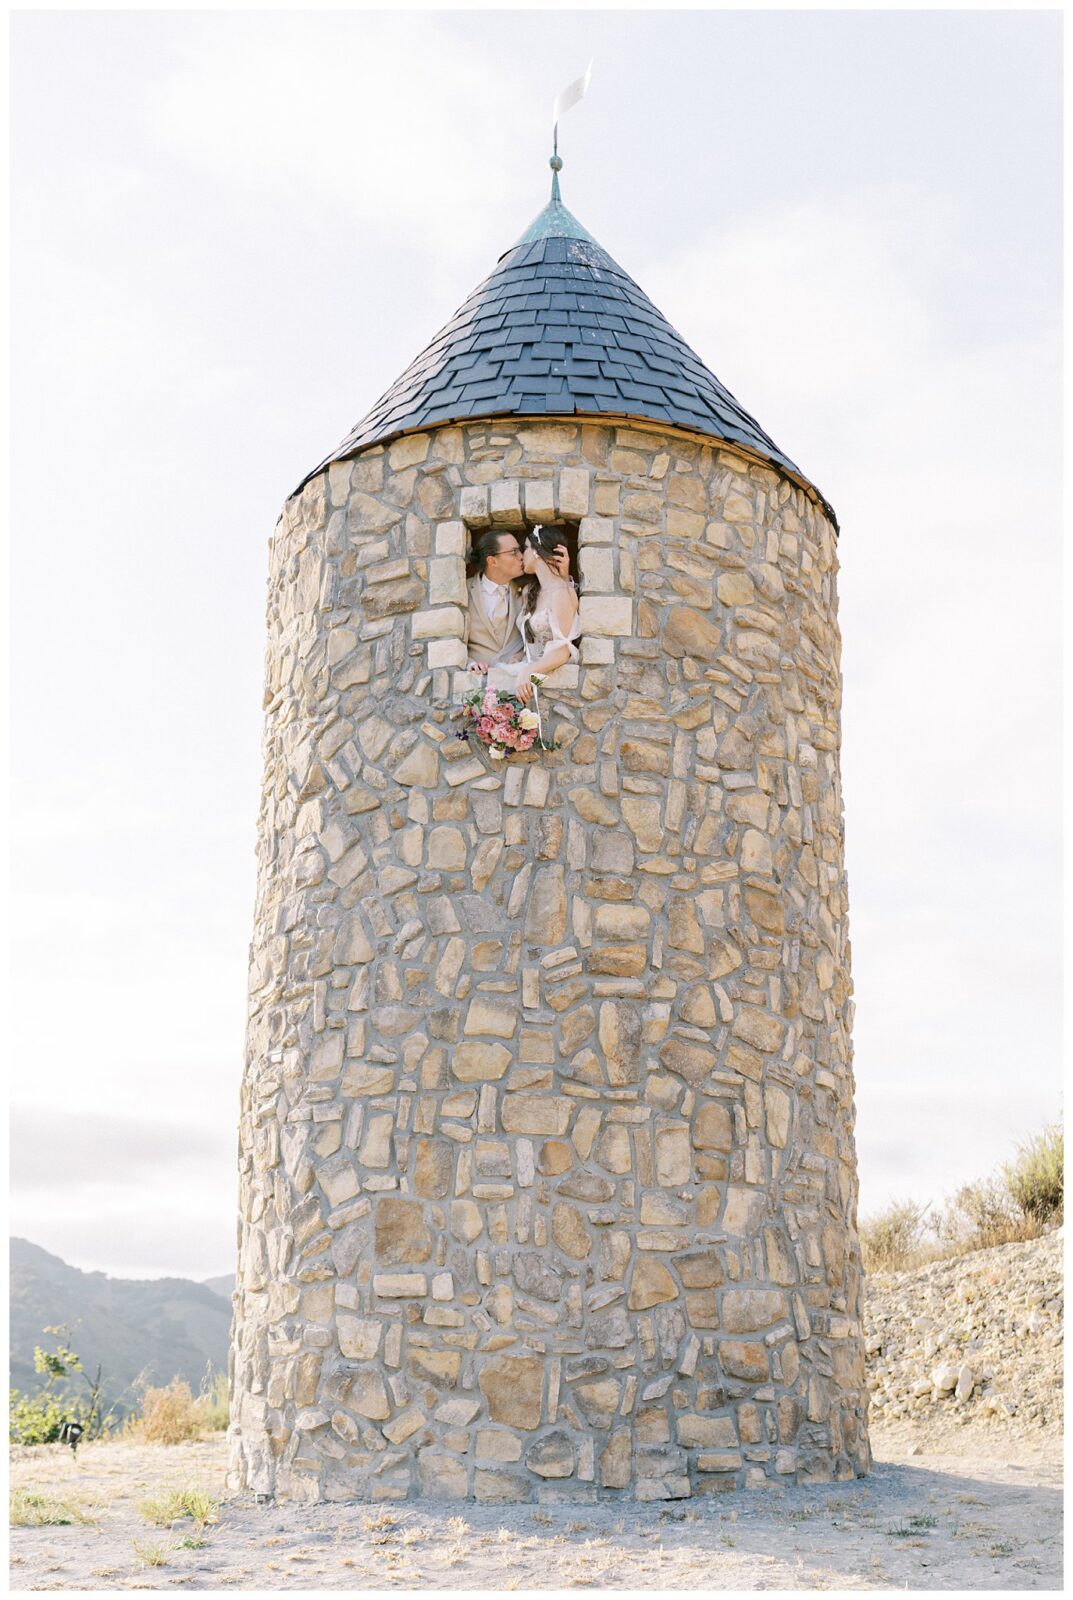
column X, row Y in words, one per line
column 569, row 97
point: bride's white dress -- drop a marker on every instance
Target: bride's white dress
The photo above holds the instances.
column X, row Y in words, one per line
column 540, row 632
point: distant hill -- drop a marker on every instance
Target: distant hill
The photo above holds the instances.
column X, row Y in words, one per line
column 162, row 1328
column 224, row 1286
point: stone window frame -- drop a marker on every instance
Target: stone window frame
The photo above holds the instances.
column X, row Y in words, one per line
column 514, row 505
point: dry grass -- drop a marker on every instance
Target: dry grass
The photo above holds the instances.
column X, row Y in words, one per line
column 174, row 1415
column 29, row 1510
column 175, row 1504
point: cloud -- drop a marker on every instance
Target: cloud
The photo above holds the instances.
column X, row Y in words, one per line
column 851, row 327
column 60, row 1151
column 354, row 116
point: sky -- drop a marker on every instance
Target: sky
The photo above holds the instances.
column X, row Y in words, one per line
column 232, row 231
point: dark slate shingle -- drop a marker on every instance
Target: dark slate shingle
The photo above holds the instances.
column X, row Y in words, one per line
column 559, row 329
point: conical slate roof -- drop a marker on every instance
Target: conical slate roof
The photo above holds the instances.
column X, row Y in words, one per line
column 558, row 329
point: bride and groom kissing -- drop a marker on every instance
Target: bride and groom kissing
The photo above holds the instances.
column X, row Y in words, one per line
column 523, row 608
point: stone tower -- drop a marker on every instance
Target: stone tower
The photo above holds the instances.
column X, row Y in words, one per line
column 548, row 1177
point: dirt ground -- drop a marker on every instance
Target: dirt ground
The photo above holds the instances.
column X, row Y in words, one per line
column 975, row 1511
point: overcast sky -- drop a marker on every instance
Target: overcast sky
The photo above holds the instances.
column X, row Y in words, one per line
column 232, row 231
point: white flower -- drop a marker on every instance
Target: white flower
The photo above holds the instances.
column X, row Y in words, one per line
column 496, row 752
column 528, row 719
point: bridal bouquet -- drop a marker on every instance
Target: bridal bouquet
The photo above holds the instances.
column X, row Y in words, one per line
column 501, row 722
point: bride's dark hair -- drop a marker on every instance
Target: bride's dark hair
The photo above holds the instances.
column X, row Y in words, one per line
column 545, row 541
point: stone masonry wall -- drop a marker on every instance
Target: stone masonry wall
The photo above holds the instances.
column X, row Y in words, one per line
column 548, row 1180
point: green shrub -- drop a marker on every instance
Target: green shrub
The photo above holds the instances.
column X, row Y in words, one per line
column 1035, row 1180
column 36, row 1418
column 175, row 1504
column 213, row 1401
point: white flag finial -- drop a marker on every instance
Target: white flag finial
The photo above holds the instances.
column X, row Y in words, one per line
column 570, row 96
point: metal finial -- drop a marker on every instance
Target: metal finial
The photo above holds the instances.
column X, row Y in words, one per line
column 569, row 97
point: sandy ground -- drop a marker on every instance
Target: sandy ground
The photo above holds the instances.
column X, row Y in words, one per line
column 970, row 1512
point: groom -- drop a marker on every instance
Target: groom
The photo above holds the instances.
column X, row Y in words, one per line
column 495, row 598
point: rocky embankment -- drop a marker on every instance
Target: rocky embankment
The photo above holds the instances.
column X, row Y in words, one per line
column 972, row 1340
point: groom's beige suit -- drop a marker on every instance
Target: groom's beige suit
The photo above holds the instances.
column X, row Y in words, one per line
column 493, row 642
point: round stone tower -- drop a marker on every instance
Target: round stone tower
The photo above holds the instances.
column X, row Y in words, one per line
column 548, row 1178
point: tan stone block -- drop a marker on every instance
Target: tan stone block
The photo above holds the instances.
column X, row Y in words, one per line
column 473, row 506
column 744, row 1359
column 420, row 769
column 352, row 945
column 618, row 960
column 555, row 1156
column 622, row 922
column 766, row 910
column 597, row 570
column 467, row 1223
column 569, row 1231
column 445, row 622
column 494, row 1445
column 755, row 851
column 592, row 807
column 706, row 1433
column 620, row 1040
column 447, row 581
column 616, row 1461
column 598, row 1400
column 574, row 492
column 684, row 932
column 765, row 1033
column 698, row 1007
column 339, row 1180
column 443, row 1476
column 401, row 1234
column 645, row 756
column 367, row 1395
column 777, row 1114
column 433, row 1165
column 408, row 451
column 359, row 1337
column 606, row 616
column 642, row 817
column 400, row 1285
column 745, row 1208
column 688, row 632
column 713, row 1128
column 702, row 1308
column 650, row 1285
column 700, row 1269
column 476, row 1062
column 438, row 1367
column 613, row 1150
column 545, row 916
column 693, row 1062
column 552, row 1456
column 376, row 1145
column 652, row 1426
column 747, row 1310
column 544, row 1115
column 493, row 1488
column 496, row 1017
column 513, row 1389
column 719, row 1461
column 674, row 1157
column 505, row 503
column 736, row 589
column 446, row 849
column 405, row 1425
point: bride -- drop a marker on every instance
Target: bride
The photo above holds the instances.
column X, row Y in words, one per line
column 549, row 615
